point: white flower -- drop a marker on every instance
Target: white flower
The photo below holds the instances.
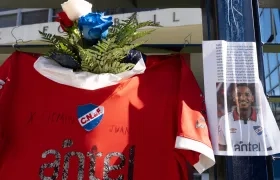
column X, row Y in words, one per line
column 76, row 8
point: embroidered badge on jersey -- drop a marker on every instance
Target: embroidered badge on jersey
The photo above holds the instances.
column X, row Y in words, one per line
column 90, row 116
column 258, row 130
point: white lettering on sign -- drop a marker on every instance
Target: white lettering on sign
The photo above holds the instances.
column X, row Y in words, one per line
column 170, row 17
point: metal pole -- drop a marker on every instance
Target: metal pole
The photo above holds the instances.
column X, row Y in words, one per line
column 236, row 21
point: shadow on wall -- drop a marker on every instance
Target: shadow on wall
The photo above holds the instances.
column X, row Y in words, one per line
column 3, row 57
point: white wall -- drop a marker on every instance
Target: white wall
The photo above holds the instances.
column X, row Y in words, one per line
column 3, row 57
column 188, row 21
column 197, row 68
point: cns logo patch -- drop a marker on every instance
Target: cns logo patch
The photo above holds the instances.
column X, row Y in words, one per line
column 258, row 130
column 90, row 116
column 200, row 123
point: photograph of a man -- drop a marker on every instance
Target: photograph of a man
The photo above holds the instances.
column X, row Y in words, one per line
column 241, row 128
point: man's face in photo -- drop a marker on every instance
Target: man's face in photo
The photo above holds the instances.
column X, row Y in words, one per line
column 243, row 97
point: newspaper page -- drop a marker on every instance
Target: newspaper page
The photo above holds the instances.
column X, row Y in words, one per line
column 240, row 120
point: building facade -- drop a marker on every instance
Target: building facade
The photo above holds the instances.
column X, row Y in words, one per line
column 270, row 29
column 17, row 17
column 270, row 37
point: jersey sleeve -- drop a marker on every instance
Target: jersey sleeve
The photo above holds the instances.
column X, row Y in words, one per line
column 5, row 69
column 192, row 139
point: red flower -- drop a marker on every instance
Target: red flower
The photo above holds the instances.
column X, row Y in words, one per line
column 64, row 21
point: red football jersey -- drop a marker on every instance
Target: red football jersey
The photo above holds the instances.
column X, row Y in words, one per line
column 143, row 128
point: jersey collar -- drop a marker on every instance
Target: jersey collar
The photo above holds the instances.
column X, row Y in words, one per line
column 83, row 80
column 253, row 116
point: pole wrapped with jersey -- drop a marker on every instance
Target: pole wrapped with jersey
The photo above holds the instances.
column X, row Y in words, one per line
column 241, row 17
column 143, row 124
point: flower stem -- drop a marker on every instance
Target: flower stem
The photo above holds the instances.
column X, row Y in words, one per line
column 82, row 39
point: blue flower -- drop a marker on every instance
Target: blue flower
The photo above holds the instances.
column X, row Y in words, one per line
column 95, row 25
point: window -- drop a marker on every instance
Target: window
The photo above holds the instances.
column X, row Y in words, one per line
column 270, row 34
column 274, row 77
column 125, row 10
column 265, row 63
column 276, row 16
column 6, row 9
column 55, row 12
column 8, row 20
column 275, row 107
column 112, row 11
column 273, row 61
column 266, row 29
column 267, row 83
column 35, row 17
column 271, row 66
column 277, row 91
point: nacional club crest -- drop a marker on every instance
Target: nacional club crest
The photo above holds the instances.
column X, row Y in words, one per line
column 258, row 130
column 200, row 123
column 90, row 116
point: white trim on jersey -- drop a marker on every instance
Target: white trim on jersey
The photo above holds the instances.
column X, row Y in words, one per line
column 83, row 80
column 206, row 157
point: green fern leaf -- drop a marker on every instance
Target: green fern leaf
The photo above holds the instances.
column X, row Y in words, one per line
column 107, row 55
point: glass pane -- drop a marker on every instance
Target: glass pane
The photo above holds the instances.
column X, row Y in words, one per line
column 273, row 61
column 6, row 9
column 126, row 10
column 267, row 84
column 275, row 107
column 277, row 24
column 265, row 22
column 8, row 20
column 274, row 92
column 112, row 11
column 265, row 63
column 270, row 93
column 277, row 91
column 35, row 17
column 274, row 77
column 55, row 12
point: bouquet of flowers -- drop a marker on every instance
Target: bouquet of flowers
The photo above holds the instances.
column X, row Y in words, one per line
column 91, row 42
